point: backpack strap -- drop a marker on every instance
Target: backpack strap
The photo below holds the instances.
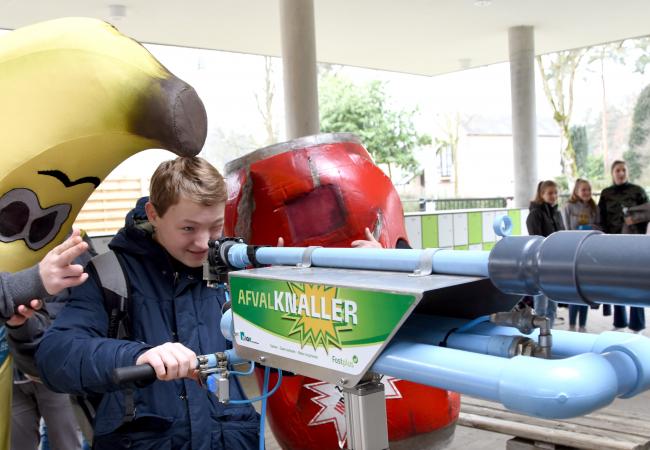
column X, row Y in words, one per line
column 116, row 290
column 109, row 268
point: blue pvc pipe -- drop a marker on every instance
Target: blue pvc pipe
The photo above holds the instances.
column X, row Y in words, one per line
column 539, row 387
column 555, row 388
column 566, row 344
column 466, row 262
column 265, row 391
column 488, row 345
column 226, row 325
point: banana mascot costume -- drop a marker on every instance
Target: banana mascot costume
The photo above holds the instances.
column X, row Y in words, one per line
column 78, row 98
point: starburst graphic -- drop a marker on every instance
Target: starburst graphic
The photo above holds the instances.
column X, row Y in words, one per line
column 332, row 405
column 317, row 331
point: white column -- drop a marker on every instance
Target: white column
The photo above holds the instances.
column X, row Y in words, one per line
column 521, row 43
column 299, row 67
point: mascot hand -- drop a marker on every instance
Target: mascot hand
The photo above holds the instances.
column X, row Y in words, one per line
column 56, row 269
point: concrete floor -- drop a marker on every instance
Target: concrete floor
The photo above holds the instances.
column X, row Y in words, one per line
column 473, row 439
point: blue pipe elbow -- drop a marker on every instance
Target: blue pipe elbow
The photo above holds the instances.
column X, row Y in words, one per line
column 558, row 389
column 638, row 351
column 547, row 388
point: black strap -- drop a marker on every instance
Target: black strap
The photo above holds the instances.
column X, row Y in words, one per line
column 129, row 405
column 443, row 343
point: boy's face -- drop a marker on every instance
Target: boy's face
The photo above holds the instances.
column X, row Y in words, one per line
column 185, row 229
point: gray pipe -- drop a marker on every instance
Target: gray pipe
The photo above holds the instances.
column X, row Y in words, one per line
column 575, row 267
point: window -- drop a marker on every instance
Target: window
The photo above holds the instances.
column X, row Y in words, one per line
column 445, row 162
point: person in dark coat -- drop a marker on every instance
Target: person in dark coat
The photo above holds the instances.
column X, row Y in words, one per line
column 54, row 273
column 543, row 219
column 613, row 200
column 33, row 401
column 174, row 316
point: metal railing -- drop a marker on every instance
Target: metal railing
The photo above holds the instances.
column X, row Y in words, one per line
column 446, row 204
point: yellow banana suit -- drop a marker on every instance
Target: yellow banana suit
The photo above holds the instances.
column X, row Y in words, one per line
column 78, row 98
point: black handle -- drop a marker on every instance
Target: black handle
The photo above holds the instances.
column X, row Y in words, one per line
column 142, row 373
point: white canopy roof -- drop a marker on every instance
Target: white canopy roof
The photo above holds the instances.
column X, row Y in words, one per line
column 426, row 37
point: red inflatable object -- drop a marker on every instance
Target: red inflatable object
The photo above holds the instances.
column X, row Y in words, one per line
column 325, row 190
column 319, row 190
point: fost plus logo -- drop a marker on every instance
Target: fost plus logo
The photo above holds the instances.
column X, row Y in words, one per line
column 345, row 362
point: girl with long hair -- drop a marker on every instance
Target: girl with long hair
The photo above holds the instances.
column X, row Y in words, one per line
column 580, row 213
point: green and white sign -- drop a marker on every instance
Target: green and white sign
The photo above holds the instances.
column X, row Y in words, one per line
column 332, row 327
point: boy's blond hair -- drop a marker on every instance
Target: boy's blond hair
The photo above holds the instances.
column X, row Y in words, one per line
column 192, row 177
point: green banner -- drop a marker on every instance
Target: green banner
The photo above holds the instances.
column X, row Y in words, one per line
column 318, row 315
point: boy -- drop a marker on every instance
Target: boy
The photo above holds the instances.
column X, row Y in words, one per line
column 173, row 316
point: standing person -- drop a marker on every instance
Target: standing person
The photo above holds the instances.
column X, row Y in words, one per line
column 580, row 213
column 622, row 194
column 32, row 400
column 543, row 220
column 173, row 316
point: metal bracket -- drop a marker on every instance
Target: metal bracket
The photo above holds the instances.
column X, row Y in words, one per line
column 365, row 416
column 425, row 266
column 306, row 256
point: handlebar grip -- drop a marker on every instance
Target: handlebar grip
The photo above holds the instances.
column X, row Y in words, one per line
column 132, row 374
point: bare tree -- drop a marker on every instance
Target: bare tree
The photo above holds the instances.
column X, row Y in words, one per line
column 614, row 51
column 265, row 101
column 558, row 71
column 620, row 53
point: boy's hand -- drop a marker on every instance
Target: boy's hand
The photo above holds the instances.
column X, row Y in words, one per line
column 24, row 313
column 56, row 269
column 370, row 241
column 171, row 361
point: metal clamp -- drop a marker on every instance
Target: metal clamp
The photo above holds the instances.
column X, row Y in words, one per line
column 425, row 265
column 306, row 256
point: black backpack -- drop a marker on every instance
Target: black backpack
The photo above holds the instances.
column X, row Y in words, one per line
column 112, row 277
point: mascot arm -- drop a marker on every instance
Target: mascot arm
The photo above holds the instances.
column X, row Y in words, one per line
column 19, row 287
column 75, row 356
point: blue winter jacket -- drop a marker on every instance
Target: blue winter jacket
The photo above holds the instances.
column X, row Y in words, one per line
column 170, row 303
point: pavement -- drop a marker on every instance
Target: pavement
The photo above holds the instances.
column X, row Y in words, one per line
column 469, row 438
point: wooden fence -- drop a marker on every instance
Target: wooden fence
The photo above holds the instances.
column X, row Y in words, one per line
column 105, row 210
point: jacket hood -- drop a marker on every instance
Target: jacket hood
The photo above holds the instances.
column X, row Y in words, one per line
column 136, row 237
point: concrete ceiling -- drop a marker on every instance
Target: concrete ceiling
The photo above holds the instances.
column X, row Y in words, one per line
column 426, row 37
